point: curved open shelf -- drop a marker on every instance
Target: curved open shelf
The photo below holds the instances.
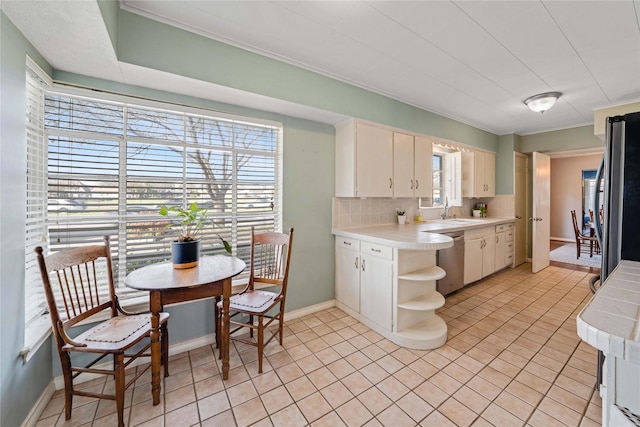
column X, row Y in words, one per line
column 428, row 334
column 430, row 301
column 430, row 273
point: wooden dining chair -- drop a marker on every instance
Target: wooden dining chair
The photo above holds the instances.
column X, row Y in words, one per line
column 269, row 265
column 584, row 244
column 72, row 281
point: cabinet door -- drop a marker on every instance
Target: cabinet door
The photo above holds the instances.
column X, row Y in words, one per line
column 501, row 246
column 489, row 255
column 473, row 260
column 489, row 174
column 376, row 283
column 374, row 161
column 403, row 181
column 348, row 277
column 423, row 167
column 479, row 184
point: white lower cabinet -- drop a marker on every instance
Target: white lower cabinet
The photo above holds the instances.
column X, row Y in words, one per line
column 376, row 277
column 392, row 291
column 504, row 246
column 348, row 272
column 479, row 254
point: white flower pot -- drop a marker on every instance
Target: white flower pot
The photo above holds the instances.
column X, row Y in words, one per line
column 402, row 219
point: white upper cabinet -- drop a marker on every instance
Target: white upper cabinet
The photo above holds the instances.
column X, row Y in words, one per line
column 403, row 165
column 374, row 161
column 364, row 160
column 411, row 165
column 423, row 165
column 478, row 174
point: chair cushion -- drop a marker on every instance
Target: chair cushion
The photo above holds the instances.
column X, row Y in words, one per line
column 253, row 299
column 118, row 328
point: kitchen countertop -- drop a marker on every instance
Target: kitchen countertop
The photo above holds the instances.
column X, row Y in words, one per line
column 610, row 322
column 420, row 236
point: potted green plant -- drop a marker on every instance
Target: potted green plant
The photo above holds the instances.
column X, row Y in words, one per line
column 189, row 221
column 401, row 216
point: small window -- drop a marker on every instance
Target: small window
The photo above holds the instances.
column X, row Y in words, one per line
column 438, row 180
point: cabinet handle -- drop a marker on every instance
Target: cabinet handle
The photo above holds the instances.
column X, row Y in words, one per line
column 497, row 239
column 390, row 183
column 363, row 264
column 346, row 243
column 375, row 250
column 417, row 184
column 412, row 184
column 356, row 262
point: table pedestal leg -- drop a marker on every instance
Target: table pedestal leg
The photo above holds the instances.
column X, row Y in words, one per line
column 224, row 341
column 155, row 305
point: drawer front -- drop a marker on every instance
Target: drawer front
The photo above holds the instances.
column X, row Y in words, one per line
column 508, row 259
column 347, row 243
column 509, row 226
column 509, row 248
column 478, row 233
column 500, row 228
column 509, row 236
column 381, row 251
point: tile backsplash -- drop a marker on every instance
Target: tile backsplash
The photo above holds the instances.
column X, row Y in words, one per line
column 355, row 212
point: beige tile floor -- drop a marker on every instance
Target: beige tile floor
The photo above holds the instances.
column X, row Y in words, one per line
column 512, row 358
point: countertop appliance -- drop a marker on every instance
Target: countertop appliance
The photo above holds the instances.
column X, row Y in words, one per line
column 619, row 176
column 451, row 260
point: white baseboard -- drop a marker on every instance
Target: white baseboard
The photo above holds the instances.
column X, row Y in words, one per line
column 34, row 414
column 563, row 239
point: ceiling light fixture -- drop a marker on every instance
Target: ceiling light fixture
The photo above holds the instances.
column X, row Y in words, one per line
column 541, row 103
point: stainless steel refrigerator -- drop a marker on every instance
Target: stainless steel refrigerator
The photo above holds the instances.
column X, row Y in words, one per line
column 620, row 201
column 619, row 177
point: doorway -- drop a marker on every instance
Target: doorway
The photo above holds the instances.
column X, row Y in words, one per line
column 588, row 198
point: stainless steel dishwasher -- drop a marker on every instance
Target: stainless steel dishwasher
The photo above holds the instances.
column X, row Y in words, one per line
column 451, row 260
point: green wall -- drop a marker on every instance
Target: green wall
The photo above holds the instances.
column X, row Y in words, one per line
column 20, row 384
column 560, row 140
column 505, row 166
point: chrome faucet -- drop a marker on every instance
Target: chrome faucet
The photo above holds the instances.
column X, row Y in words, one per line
column 445, row 213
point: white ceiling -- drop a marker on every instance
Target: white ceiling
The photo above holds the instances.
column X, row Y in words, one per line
column 474, row 61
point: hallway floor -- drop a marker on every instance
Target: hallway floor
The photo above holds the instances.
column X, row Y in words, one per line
column 512, row 359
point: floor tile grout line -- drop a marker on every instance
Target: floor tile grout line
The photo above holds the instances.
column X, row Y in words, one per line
column 502, row 292
column 530, row 359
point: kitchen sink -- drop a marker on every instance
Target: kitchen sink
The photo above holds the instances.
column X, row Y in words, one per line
column 461, row 220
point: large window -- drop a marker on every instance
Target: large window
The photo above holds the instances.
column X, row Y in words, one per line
column 111, row 165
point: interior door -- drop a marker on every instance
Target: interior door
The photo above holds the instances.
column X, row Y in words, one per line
column 540, row 232
column 520, row 232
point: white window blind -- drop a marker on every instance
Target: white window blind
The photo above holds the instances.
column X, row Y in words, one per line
column 111, row 165
column 36, row 194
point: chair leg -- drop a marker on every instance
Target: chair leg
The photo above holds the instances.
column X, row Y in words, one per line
column 260, row 343
column 165, row 348
column 216, row 313
column 251, row 323
column 281, row 323
column 68, row 384
column 577, row 249
column 119, row 384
